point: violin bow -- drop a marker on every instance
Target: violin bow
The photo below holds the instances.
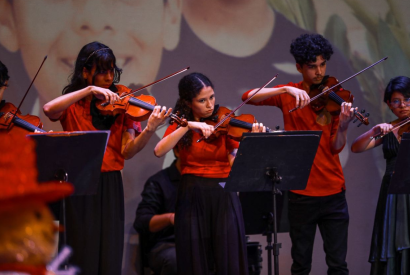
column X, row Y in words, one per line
column 240, row 105
column 24, row 97
column 146, row 86
column 340, row 83
column 397, row 125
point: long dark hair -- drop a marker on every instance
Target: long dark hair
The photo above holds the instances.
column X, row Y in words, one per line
column 189, row 87
column 94, row 53
column 399, row 84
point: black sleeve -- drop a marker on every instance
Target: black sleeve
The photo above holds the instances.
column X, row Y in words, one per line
column 150, row 205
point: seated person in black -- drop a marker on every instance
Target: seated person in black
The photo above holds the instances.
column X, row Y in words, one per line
column 154, row 219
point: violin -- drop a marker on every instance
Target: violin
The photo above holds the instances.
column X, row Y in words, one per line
column 338, row 95
column 24, row 124
column 359, row 116
column 232, row 126
column 10, row 115
column 403, row 126
column 228, row 116
column 136, row 108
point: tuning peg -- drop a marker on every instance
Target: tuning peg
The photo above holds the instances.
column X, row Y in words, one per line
column 360, row 124
column 367, row 115
column 356, row 119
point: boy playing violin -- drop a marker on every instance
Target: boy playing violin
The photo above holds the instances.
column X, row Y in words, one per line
column 323, row 202
column 95, row 224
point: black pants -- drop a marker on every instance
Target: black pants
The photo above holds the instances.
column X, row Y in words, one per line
column 163, row 259
column 95, row 227
column 330, row 213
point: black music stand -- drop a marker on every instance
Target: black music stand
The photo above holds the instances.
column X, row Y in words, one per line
column 272, row 162
column 400, row 181
column 75, row 154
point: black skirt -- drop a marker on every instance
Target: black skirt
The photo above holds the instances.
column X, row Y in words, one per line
column 390, row 248
column 95, row 227
column 209, row 229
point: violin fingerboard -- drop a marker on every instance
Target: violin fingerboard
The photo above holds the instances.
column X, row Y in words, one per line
column 333, row 96
column 25, row 125
column 240, row 123
column 139, row 103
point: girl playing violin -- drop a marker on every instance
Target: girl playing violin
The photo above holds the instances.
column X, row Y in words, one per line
column 390, row 251
column 209, row 226
column 95, row 224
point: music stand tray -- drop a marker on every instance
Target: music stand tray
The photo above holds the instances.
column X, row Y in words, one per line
column 400, row 181
column 76, row 154
column 272, row 162
column 290, row 152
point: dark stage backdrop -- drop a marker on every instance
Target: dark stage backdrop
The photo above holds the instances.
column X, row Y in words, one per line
column 240, row 45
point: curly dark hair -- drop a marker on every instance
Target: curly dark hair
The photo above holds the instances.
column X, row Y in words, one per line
column 399, row 84
column 94, row 53
column 307, row 47
column 4, row 74
column 189, row 87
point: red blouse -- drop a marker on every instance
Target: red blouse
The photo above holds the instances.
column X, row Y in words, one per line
column 77, row 117
column 203, row 159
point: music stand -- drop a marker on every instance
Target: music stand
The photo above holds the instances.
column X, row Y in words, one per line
column 75, row 154
column 400, row 181
column 265, row 160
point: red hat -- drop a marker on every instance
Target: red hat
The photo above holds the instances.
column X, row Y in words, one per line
column 18, row 174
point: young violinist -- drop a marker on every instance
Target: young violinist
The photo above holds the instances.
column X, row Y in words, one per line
column 323, row 202
column 19, row 125
column 95, row 224
column 209, row 227
column 390, row 250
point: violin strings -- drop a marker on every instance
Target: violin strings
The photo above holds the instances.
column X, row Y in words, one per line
column 240, row 123
column 28, row 126
column 243, row 103
column 139, row 103
column 347, row 79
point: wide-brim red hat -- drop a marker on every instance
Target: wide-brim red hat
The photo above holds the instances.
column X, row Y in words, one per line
column 19, row 175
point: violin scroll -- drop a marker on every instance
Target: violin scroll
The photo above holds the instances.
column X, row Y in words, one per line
column 181, row 121
column 362, row 116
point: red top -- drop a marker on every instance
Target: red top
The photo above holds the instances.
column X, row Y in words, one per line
column 77, row 117
column 203, row 159
column 326, row 176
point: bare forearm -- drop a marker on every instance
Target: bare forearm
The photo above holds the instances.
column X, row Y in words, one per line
column 265, row 93
column 134, row 145
column 364, row 143
column 169, row 142
column 55, row 107
column 340, row 138
column 159, row 222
